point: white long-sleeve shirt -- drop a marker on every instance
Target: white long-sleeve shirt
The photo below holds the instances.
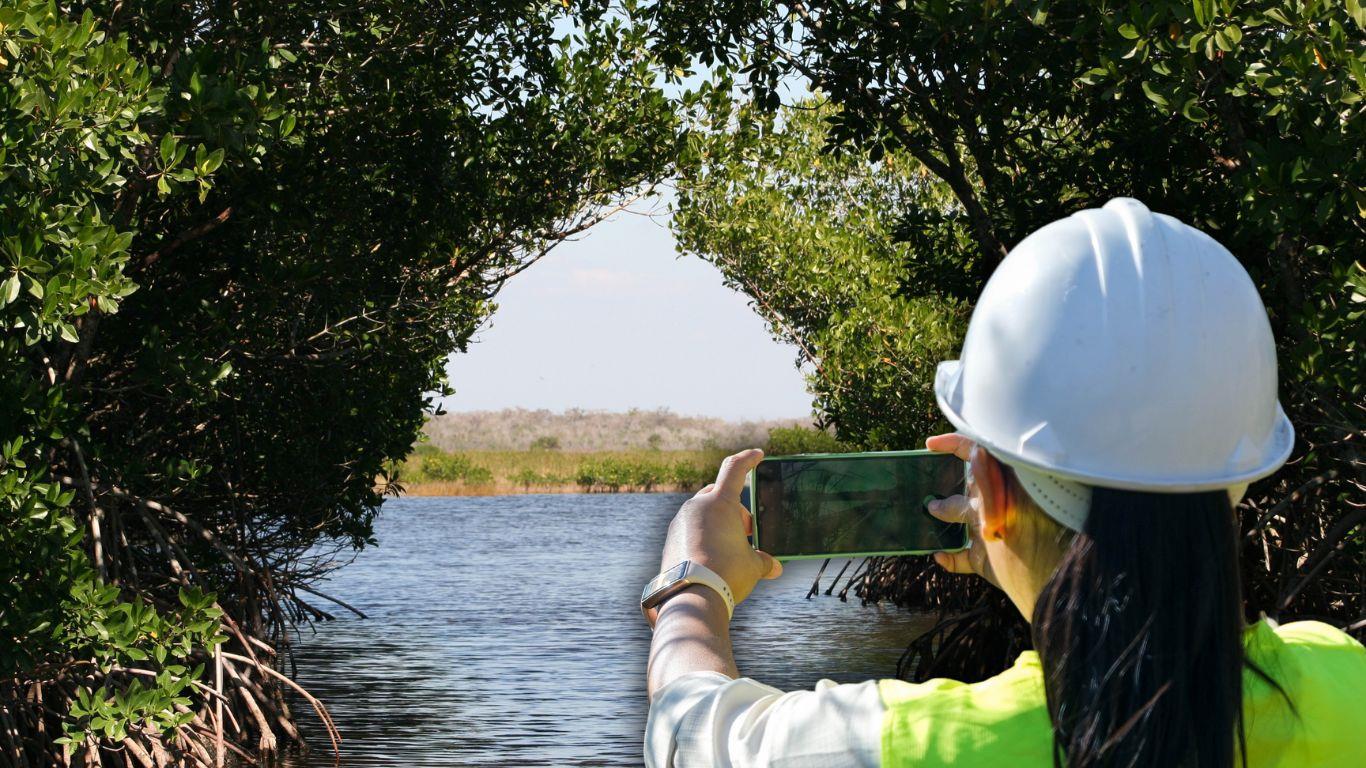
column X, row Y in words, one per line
column 706, row 720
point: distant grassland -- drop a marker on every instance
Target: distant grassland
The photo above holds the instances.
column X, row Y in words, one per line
column 431, row 472
column 577, row 430
column 546, row 468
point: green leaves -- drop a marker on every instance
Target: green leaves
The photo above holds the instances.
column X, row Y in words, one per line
column 809, row 235
column 1357, row 10
column 313, row 222
column 1194, row 112
column 9, row 289
column 206, row 161
column 1204, row 11
column 135, row 635
column 1225, row 39
column 224, row 371
column 1242, row 119
column 83, row 100
column 80, row 107
column 168, row 150
column 1281, row 15
column 1154, row 95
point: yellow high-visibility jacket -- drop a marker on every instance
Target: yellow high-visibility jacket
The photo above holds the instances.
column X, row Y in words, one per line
column 1003, row 721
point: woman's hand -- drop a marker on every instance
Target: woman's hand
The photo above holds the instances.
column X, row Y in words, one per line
column 711, row 528
column 960, row 509
column 691, row 634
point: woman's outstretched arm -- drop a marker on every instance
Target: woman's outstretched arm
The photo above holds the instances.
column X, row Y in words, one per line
column 692, row 632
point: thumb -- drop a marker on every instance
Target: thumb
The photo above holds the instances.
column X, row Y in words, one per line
column 731, row 478
column 771, row 566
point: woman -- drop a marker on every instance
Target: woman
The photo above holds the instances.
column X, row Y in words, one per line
column 1115, row 395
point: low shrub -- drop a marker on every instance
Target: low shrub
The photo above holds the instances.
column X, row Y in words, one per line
column 639, row 470
column 785, row 441
column 546, row 443
column 612, row 474
column 691, row 475
column 451, row 468
column 528, row 477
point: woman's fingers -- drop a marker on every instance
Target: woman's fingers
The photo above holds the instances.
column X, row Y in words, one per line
column 772, row 567
column 954, row 443
column 955, row 562
column 954, row 509
column 708, row 488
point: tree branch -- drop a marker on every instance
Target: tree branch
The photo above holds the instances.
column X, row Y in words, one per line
column 193, row 233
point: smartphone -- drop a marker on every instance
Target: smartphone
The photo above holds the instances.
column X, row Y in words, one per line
column 854, row 504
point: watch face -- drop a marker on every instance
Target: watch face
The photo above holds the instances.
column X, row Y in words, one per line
column 664, row 580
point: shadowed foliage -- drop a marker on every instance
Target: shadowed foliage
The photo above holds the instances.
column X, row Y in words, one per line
column 1243, row 120
column 238, row 242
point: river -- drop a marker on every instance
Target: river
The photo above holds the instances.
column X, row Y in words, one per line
column 505, row 631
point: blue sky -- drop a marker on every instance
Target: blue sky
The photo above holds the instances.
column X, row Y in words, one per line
column 616, row 320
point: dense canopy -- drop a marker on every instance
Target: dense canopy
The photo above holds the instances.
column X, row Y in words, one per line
column 239, row 242
column 950, row 130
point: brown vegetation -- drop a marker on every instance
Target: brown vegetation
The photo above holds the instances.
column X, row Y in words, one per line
column 576, row 429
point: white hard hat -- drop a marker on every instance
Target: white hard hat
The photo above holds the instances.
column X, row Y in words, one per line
column 1119, row 348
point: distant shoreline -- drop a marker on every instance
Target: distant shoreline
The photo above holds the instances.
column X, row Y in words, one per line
column 545, row 467
column 429, row 472
column 508, row 489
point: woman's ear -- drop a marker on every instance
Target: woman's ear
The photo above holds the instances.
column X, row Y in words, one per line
column 993, row 505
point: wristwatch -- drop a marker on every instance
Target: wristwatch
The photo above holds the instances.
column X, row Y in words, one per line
column 678, row 578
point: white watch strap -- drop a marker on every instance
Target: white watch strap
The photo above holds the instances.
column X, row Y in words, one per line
column 701, row 574
column 678, row 578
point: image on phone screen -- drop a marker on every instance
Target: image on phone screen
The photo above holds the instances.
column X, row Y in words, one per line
column 855, row 505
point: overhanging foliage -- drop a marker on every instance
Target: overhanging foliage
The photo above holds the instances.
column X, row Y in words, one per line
column 1244, row 119
column 239, row 241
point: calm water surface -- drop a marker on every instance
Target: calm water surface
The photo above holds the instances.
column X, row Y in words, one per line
column 505, row 631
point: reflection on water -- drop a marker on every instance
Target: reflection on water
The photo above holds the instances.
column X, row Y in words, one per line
column 506, row 631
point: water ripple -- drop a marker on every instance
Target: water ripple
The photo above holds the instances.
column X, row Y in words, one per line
column 485, row 646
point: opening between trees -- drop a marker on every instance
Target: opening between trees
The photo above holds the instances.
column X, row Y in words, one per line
column 238, row 242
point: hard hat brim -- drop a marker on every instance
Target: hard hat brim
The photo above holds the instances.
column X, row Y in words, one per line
column 948, row 394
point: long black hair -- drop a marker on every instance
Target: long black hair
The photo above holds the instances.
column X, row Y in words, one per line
column 1140, row 634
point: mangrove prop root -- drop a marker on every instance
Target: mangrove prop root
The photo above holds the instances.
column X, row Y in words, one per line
column 239, row 711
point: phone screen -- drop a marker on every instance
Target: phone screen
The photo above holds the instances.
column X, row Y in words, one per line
column 863, row 504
